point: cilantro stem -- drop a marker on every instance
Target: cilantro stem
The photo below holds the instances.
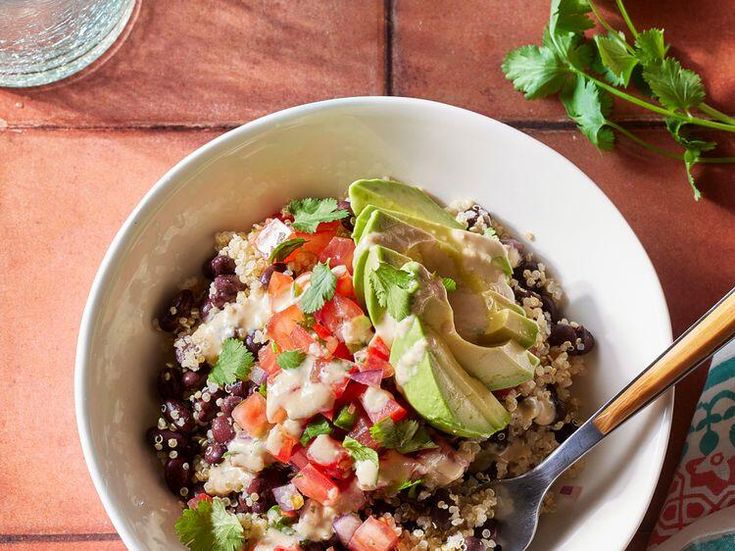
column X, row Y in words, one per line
column 626, row 18
column 665, row 152
column 715, row 114
column 603, row 21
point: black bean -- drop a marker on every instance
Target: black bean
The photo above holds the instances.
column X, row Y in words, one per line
column 194, row 379
column 177, row 472
column 440, row 515
column 265, row 277
column 205, row 308
column 263, row 486
column 251, row 345
column 205, row 410
column 179, row 307
column 523, row 266
column 500, row 437
column 222, row 265
column 475, row 213
column 213, row 452
column 565, row 432
column 561, row 333
column 491, row 525
column 222, row 430
column 167, row 440
column 548, row 305
column 226, row 288
column 229, row 403
column 347, row 221
column 178, row 413
column 239, row 388
column 473, row 544
column 169, row 384
column 587, row 341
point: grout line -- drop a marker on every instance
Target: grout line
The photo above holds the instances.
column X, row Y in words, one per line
column 388, row 13
column 56, row 538
column 520, row 124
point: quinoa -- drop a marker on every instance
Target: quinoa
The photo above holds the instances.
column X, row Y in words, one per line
column 543, row 410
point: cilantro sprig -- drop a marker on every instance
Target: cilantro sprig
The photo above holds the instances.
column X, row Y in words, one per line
column 322, row 286
column 210, row 527
column 290, row 359
column 285, row 248
column 394, row 289
column 314, row 429
column 310, row 212
column 587, row 74
column 358, row 451
column 406, row 436
column 233, row 364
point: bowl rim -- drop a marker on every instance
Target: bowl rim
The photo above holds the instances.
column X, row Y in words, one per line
column 169, row 181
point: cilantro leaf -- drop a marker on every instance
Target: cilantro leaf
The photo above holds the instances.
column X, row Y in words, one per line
column 359, row 452
column 233, row 364
column 570, row 16
column 615, row 56
column 285, row 248
column 290, row 359
column 589, row 106
column 393, row 289
column 210, row 527
column 537, row 72
column 321, row 289
column 409, row 484
column 405, row 436
column 449, row 284
column 263, row 390
column 310, row 212
column 674, row 86
column 650, row 46
column 314, row 429
column 677, row 129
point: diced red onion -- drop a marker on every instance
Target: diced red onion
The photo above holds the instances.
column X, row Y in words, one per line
column 345, row 526
column 258, row 375
column 372, row 377
column 288, row 497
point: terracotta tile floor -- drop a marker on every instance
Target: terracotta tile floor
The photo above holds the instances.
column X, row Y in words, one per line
column 76, row 158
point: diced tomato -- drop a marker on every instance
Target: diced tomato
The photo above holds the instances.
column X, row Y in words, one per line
column 315, row 242
column 379, row 404
column 329, row 456
column 342, row 352
column 280, row 444
column 373, row 361
column 345, row 287
column 267, row 359
column 193, row 503
column 311, row 482
column 335, row 373
column 351, row 497
column 336, row 312
column 352, row 393
column 285, row 330
column 339, row 251
column 321, row 331
column 329, row 414
column 377, row 347
column 250, row 415
column 290, row 547
column 298, row 458
column 279, row 285
column 361, row 433
column 373, row 535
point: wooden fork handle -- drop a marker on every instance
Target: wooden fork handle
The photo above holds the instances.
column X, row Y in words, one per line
column 699, row 342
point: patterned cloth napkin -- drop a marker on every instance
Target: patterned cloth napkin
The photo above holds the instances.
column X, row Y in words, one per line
column 704, row 482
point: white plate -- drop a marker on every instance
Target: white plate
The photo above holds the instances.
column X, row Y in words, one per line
column 318, row 149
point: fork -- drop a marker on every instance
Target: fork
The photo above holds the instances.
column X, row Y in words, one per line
column 519, row 499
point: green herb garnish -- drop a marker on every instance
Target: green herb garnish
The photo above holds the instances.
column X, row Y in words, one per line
column 393, row 289
column 310, row 212
column 321, row 289
column 210, row 527
column 290, row 359
column 588, row 74
column 347, row 417
column 449, row 284
column 359, row 452
column 405, row 436
column 233, row 364
column 285, row 248
column 314, row 429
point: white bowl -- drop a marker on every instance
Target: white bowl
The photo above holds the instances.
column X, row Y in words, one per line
column 318, row 149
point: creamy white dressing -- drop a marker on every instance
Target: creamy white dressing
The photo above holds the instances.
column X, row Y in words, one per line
column 248, row 453
column 441, row 468
column 375, row 399
column 226, row 478
column 367, row 474
column 408, row 364
column 356, row 332
column 324, row 450
column 293, row 427
column 315, row 522
column 275, row 538
column 274, row 441
column 294, row 391
column 251, row 314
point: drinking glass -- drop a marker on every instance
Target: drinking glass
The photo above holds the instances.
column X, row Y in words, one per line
column 42, row 41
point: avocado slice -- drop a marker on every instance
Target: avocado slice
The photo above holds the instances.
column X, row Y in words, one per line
column 439, row 389
column 505, row 365
column 504, row 325
column 477, row 263
column 397, row 196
